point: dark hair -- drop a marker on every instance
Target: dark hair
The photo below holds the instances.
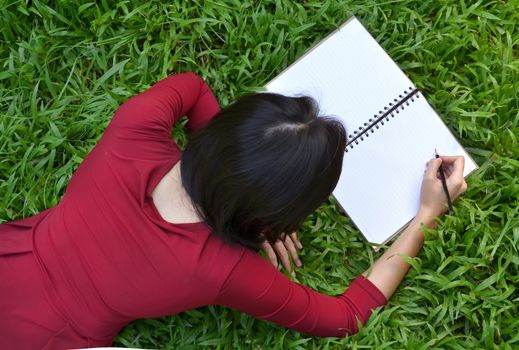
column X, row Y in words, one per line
column 262, row 165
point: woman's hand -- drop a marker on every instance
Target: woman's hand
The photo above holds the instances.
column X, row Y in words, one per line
column 433, row 201
column 281, row 249
column 387, row 272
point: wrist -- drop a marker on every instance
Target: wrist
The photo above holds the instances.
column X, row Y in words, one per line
column 427, row 217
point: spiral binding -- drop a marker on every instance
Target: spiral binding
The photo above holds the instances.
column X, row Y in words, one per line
column 390, row 110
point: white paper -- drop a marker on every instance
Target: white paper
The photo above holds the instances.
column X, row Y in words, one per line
column 381, row 177
column 352, row 78
column 349, row 75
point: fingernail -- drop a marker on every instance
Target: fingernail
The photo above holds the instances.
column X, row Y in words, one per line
column 298, row 263
column 299, row 245
column 294, row 273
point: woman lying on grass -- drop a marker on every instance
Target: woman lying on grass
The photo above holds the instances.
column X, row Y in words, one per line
column 146, row 230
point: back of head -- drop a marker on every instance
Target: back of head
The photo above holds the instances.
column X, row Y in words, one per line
column 261, row 166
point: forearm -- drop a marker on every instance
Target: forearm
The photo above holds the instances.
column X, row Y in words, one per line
column 256, row 287
column 389, row 270
column 159, row 107
column 204, row 110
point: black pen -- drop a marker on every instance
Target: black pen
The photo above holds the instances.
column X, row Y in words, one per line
column 444, row 183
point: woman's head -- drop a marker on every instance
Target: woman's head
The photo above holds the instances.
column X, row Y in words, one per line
column 261, row 166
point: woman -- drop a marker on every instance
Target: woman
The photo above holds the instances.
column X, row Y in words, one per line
column 144, row 230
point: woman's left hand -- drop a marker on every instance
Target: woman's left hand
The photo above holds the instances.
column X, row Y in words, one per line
column 281, row 249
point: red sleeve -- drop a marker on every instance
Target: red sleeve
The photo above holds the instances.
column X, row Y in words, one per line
column 159, row 107
column 259, row 289
column 137, row 146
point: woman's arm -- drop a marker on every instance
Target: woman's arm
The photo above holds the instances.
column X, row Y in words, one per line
column 389, row 270
column 265, row 293
column 257, row 288
column 160, row 106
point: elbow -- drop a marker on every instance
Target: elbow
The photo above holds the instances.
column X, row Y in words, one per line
column 355, row 317
column 342, row 332
column 351, row 329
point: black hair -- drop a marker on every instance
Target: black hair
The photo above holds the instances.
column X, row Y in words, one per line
column 262, row 165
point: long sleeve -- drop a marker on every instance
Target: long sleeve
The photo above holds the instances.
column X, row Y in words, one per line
column 259, row 289
column 137, row 144
column 159, row 107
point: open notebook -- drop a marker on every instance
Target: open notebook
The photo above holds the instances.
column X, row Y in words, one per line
column 392, row 130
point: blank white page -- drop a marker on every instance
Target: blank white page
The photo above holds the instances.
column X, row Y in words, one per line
column 381, row 177
column 349, row 75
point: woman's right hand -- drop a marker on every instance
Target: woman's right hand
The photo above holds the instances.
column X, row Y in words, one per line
column 387, row 272
column 433, row 201
column 282, row 249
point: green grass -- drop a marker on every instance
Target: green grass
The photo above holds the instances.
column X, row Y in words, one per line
column 66, row 66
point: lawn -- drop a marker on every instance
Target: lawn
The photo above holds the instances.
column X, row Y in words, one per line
column 65, row 66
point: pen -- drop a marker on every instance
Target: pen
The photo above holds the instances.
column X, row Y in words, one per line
column 444, row 183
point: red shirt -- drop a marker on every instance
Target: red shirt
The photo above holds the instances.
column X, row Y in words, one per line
column 107, row 257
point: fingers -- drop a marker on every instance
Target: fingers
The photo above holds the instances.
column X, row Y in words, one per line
column 456, row 163
column 282, row 250
column 453, row 167
column 432, row 168
column 454, row 174
column 458, row 166
column 289, row 244
column 282, row 253
column 463, row 186
column 267, row 248
column 449, row 159
column 448, row 171
column 296, row 240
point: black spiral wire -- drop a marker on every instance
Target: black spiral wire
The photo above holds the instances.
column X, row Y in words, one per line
column 394, row 107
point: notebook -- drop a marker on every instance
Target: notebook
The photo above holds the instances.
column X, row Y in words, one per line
column 392, row 130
